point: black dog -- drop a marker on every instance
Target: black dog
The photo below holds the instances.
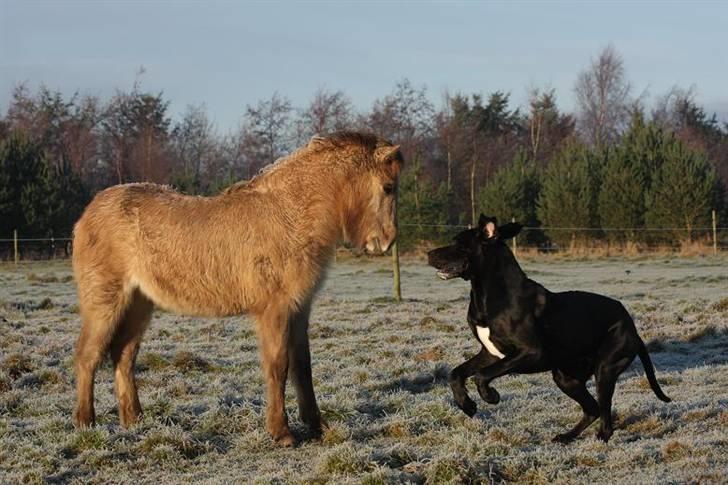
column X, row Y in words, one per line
column 524, row 328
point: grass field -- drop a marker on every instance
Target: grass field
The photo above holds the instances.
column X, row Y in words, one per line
column 380, row 372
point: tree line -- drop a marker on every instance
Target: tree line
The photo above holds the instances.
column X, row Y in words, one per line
column 613, row 165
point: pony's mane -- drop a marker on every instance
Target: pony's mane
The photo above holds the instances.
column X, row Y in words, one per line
column 337, row 140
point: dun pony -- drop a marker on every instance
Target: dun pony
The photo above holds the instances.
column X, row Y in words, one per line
column 260, row 247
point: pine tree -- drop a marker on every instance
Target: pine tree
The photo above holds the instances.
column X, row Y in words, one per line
column 421, row 208
column 20, row 163
column 512, row 192
column 568, row 197
column 37, row 198
column 682, row 192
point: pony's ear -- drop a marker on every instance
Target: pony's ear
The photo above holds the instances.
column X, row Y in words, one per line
column 317, row 140
column 509, row 230
column 387, row 154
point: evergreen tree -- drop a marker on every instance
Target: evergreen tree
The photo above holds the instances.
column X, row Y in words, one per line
column 568, row 197
column 20, row 162
column 682, row 192
column 37, row 197
column 420, row 208
column 512, row 192
column 622, row 196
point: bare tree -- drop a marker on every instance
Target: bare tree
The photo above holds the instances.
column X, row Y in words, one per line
column 603, row 98
column 405, row 116
column 266, row 132
column 329, row 111
column 195, row 146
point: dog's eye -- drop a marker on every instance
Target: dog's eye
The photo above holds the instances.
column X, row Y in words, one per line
column 388, row 189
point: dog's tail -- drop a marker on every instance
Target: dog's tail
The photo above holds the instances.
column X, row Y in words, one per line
column 650, row 371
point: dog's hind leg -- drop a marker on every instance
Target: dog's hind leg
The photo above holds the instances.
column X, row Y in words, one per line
column 617, row 351
column 606, row 379
column 576, row 390
column 124, row 349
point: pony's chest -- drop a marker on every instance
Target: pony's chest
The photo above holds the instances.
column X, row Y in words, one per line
column 484, row 337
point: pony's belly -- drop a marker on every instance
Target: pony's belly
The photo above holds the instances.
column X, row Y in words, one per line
column 191, row 301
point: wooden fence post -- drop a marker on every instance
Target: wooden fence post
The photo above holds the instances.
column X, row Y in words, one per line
column 396, row 290
column 15, row 245
column 715, row 234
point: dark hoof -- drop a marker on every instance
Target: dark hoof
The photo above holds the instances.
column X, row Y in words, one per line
column 564, row 439
column 489, row 394
column 604, row 435
column 317, row 426
column 469, row 407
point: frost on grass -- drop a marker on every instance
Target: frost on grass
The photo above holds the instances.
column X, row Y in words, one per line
column 380, row 371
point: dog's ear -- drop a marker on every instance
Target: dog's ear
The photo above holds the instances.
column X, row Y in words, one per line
column 482, row 220
column 509, row 230
column 488, row 226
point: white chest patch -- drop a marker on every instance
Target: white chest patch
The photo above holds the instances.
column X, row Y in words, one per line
column 484, row 337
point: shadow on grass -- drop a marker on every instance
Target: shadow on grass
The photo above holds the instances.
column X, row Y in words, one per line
column 420, row 383
column 700, row 350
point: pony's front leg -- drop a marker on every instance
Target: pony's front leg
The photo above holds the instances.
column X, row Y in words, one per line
column 299, row 357
column 273, row 335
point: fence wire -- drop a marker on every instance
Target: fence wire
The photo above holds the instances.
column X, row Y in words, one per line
column 53, row 247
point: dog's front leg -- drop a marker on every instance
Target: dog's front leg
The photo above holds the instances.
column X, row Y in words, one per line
column 487, row 393
column 524, row 362
column 457, row 381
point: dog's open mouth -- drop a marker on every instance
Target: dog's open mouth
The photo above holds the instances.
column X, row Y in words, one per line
column 449, row 261
column 448, row 275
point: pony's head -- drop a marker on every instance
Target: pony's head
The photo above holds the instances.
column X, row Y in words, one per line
column 369, row 195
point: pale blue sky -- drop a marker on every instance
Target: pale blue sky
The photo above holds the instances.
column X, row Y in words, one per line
column 228, row 54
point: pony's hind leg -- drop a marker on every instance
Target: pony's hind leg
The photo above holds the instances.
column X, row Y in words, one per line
column 124, row 349
column 101, row 310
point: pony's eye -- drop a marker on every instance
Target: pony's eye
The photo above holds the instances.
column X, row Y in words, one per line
column 388, row 189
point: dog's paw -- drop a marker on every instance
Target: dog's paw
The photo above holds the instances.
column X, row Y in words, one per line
column 564, row 438
column 468, row 406
column 489, row 394
column 604, row 434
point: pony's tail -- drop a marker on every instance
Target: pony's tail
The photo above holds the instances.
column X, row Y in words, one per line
column 650, row 371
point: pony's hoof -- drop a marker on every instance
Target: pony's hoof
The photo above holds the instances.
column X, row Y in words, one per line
column 287, row 441
column 84, row 420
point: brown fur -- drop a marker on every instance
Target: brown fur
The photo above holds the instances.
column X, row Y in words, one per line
column 260, row 247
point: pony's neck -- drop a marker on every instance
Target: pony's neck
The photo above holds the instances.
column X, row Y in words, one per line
column 311, row 191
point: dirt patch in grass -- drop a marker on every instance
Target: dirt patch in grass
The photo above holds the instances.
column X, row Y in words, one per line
column 16, row 365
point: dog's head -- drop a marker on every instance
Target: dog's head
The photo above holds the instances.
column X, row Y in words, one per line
column 472, row 248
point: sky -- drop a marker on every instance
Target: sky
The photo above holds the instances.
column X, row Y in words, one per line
column 229, row 54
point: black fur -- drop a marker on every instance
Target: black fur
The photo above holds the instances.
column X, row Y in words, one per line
column 573, row 334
